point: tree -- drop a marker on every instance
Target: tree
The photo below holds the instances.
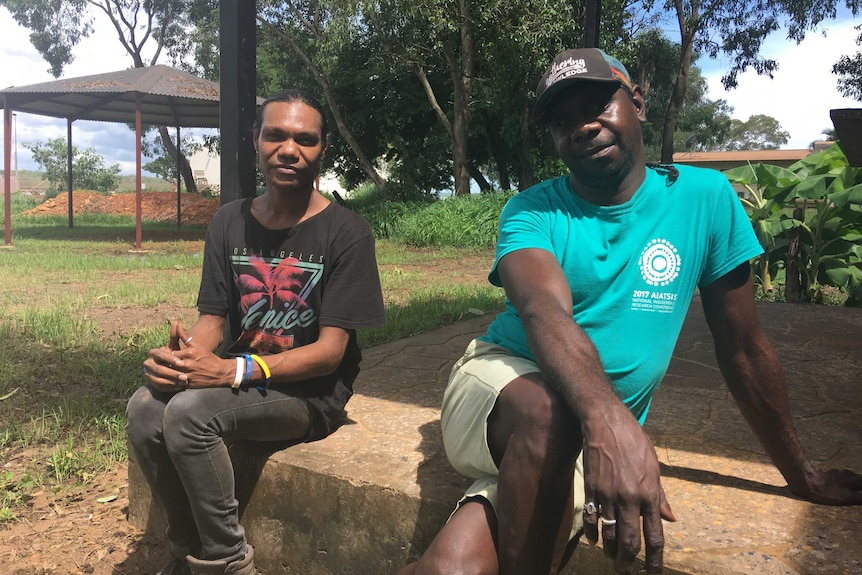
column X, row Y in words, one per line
column 88, row 168
column 736, row 28
column 759, row 132
column 431, row 37
column 702, row 122
column 142, row 27
column 316, row 32
column 849, row 71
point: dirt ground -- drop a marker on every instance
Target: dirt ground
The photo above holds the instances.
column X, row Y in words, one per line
column 78, row 532
column 155, row 206
column 86, row 530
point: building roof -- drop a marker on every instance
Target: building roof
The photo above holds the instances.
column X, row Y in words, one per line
column 169, row 97
column 726, row 160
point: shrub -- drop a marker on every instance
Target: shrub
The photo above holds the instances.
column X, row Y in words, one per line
column 459, row 221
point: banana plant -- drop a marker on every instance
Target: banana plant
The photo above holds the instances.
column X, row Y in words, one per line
column 832, row 251
column 831, row 243
column 769, row 189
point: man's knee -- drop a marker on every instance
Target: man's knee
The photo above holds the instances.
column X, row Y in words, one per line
column 143, row 417
column 536, row 416
column 185, row 417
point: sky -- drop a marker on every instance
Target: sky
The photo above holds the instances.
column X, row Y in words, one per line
column 799, row 96
column 802, row 90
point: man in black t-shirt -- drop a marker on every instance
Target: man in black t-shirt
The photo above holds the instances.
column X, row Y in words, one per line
column 294, row 276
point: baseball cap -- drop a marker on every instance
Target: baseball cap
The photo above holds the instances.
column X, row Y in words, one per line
column 579, row 65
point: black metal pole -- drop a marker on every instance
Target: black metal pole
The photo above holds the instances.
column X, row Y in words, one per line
column 179, row 180
column 238, row 45
column 593, row 18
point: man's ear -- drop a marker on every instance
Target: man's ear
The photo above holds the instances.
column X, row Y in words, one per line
column 637, row 97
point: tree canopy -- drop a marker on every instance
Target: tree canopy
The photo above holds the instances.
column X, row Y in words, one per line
column 737, row 29
column 849, row 71
column 759, row 132
column 89, row 171
column 438, row 94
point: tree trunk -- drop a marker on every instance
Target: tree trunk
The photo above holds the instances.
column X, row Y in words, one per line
column 185, row 168
column 526, row 178
column 479, row 178
column 503, row 174
column 461, row 71
column 793, row 285
column 687, row 31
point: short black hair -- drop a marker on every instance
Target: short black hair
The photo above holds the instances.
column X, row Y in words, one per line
column 292, row 95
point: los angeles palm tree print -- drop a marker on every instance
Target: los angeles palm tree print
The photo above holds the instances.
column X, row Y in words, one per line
column 278, row 284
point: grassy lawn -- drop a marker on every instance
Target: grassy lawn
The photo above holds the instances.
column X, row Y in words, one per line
column 79, row 311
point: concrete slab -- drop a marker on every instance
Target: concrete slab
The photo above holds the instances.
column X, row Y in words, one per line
column 372, row 496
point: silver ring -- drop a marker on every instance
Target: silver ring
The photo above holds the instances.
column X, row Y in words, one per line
column 189, row 340
column 609, row 521
column 590, row 508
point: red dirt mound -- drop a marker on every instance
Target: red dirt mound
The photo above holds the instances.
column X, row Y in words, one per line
column 155, row 206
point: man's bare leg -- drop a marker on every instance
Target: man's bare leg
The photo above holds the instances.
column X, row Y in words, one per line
column 466, row 544
column 535, row 441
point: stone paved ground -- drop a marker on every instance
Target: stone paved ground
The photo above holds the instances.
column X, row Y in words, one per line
column 375, row 492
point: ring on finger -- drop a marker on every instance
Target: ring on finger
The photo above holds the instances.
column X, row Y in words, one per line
column 608, row 522
column 590, row 508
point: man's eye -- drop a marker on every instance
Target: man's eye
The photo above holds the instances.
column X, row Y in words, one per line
column 560, row 124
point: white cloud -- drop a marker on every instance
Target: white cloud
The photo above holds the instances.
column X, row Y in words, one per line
column 22, row 65
column 801, row 92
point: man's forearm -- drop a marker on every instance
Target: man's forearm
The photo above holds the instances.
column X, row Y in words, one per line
column 757, row 382
column 569, row 361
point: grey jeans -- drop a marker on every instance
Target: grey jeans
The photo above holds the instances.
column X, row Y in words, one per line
column 179, row 442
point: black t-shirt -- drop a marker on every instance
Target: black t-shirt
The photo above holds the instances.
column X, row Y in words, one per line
column 277, row 287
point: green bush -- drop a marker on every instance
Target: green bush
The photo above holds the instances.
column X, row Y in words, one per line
column 460, row 221
column 18, row 203
column 382, row 215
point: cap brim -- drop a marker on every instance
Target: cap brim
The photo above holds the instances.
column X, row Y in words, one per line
column 540, row 108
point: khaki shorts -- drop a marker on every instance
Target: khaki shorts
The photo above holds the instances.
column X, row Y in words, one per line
column 475, row 383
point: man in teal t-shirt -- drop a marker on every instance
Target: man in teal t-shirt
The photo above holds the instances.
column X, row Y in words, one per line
column 633, row 267
column 599, row 268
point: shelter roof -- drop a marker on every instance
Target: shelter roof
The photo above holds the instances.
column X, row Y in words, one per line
column 169, row 97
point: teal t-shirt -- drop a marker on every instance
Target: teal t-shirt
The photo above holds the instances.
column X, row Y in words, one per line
column 633, row 268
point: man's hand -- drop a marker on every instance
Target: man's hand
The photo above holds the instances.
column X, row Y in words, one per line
column 834, row 487
column 623, row 484
column 184, row 363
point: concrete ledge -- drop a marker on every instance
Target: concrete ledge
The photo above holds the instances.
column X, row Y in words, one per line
column 371, row 497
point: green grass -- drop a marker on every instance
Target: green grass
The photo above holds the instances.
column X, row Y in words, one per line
column 432, row 308
column 469, row 221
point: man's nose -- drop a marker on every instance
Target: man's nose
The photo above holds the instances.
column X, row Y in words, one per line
column 288, row 148
column 586, row 129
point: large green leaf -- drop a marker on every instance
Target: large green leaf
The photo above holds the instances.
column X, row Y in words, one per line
column 813, row 187
column 841, row 274
column 742, row 175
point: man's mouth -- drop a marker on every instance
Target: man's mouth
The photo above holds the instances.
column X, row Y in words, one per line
column 595, row 151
